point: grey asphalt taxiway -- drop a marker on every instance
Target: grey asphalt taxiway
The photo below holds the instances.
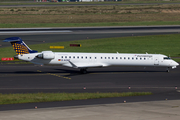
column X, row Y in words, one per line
column 30, row 78
column 50, row 35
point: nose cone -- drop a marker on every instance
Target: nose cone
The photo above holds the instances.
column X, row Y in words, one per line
column 174, row 64
column 177, row 64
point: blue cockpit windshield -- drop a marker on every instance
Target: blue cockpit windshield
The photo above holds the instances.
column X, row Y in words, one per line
column 167, row 58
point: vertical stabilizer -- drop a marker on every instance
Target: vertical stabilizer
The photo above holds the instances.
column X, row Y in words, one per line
column 19, row 46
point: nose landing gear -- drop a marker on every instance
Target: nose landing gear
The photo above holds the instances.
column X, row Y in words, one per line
column 167, row 70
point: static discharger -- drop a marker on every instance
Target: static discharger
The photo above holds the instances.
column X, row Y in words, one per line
column 56, row 47
column 75, row 45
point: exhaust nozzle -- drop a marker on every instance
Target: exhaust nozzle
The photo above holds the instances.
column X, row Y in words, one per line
column 16, row 57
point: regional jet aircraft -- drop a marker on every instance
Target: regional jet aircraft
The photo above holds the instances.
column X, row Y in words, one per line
column 83, row 61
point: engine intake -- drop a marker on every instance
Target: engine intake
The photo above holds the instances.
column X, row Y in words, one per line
column 48, row 55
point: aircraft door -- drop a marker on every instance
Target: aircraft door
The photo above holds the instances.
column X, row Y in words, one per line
column 156, row 61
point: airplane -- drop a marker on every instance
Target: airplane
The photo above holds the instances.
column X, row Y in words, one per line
column 83, row 61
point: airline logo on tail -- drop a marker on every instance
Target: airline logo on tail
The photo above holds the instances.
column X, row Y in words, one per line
column 19, row 46
column 20, row 49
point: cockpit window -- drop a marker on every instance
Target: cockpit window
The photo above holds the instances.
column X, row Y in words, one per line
column 167, row 58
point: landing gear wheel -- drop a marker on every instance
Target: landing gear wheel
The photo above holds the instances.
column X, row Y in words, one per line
column 167, row 70
column 84, row 71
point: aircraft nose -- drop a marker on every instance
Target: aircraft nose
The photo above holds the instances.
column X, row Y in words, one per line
column 175, row 63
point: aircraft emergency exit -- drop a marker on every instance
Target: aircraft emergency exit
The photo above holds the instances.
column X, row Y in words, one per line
column 83, row 61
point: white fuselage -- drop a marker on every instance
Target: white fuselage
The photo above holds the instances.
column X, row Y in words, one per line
column 88, row 60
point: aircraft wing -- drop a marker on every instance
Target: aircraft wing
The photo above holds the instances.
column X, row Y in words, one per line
column 83, row 65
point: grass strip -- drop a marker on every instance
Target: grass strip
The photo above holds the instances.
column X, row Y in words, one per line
column 31, row 25
column 81, row 16
column 51, row 97
column 20, row 2
column 176, row 59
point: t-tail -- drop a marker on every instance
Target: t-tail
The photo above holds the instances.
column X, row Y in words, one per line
column 19, row 46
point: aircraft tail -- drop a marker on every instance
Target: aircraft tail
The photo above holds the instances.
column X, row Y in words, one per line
column 19, row 46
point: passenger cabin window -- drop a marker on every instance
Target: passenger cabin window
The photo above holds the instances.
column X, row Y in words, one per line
column 77, row 57
column 144, row 58
column 120, row 57
column 132, row 58
column 61, row 56
column 128, row 58
column 101, row 57
column 105, row 57
column 65, row 56
column 136, row 58
column 112, row 57
column 82, row 57
column 69, row 56
column 73, row 56
column 167, row 58
column 89, row 57
column 95, row 57
column 86, row 57
column 108, row 57
column 116, row 57
column 124, row 57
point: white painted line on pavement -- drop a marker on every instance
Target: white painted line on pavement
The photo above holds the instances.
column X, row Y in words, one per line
column 36, row 31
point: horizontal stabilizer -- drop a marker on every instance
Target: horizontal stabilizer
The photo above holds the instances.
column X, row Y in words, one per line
column 12, row 39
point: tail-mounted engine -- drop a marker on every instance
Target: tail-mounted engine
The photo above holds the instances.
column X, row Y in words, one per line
column 48, row 55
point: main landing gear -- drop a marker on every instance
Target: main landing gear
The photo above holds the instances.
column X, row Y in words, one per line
column 83, row 70
column 167, row 70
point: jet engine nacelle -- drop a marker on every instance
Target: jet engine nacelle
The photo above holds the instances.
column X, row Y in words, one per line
column 48, row 55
